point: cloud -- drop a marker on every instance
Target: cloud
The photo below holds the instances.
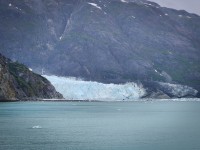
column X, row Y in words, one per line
column 192, row 6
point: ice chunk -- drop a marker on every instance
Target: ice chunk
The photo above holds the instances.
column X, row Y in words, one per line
column 37, row 127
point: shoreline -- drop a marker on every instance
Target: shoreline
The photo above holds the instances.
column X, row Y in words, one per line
column 139, row 100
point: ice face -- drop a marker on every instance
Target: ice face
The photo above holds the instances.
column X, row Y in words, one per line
column 74, row 89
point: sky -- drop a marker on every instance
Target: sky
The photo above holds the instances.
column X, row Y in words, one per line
column 192, row 6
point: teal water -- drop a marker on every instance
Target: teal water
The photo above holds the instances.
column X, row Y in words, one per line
column 100, row 126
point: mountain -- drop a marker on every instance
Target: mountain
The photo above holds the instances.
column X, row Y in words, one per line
column 17, row 82
column 110, row 41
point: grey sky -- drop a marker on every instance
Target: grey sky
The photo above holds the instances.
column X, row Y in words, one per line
column 192, row 6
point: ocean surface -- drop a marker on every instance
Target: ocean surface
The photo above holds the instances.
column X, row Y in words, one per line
column 100, row 126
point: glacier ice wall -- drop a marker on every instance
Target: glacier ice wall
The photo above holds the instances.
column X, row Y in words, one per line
column 75, row 89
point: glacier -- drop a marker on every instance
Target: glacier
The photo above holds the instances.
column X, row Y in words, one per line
column 77, row 89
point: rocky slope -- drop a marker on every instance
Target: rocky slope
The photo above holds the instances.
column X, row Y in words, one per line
column 19, row 83
column 111, row 41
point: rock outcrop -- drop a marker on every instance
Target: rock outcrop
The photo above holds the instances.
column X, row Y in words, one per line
column 17, row 82
column 161, row 90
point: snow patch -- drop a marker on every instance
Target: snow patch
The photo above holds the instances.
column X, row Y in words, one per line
column 95, row 5
column 124, row 1
column 170, row 52
column 74, row 89
column 148, row 4
column 18, row 8
column 49, row 46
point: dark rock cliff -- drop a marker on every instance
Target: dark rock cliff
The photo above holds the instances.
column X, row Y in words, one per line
column 103, row 40
column 17, row 82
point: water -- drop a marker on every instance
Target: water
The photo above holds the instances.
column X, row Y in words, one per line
column 100, row 126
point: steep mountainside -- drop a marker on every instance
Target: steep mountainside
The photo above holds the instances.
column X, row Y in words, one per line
column 19, row 83
column 103, row 40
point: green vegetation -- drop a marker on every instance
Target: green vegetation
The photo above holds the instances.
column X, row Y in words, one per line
column 17, row 70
